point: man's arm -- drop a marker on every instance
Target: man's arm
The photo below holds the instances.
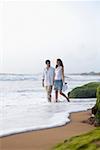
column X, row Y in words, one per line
column 43, row 82
column 43, row 79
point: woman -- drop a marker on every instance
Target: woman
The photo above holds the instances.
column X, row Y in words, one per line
column 59, row 79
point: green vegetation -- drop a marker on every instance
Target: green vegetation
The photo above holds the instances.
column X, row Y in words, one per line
column 85, row 91
column 88, row 141
column 97, row 115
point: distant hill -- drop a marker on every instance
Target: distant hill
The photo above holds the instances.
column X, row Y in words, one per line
column 91, row 73
column 86, row 73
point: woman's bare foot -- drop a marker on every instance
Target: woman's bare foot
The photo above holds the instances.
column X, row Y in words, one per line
column 68, row 99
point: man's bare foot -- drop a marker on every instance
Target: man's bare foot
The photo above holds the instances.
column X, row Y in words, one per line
column 49, row 100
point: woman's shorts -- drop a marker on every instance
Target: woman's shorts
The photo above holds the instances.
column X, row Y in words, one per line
column 58, row 84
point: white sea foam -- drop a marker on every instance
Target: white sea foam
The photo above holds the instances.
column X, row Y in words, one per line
column 17, row 77
column 24, row 107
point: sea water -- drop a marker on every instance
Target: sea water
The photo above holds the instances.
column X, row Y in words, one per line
column 24, row 106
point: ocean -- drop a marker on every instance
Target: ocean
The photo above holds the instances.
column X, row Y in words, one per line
column 24, row 106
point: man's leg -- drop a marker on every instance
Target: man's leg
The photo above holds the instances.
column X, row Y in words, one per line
column 49, row 91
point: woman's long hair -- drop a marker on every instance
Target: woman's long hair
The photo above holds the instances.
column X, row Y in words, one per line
column 61, row 63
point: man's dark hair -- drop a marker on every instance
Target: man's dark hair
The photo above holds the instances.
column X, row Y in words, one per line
column 47, row 61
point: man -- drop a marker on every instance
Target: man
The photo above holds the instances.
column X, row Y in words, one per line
column 48, row 79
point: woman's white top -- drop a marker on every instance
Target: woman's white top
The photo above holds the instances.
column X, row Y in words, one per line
column 58, row 73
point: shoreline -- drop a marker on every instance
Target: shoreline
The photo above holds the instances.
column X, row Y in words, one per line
column 46, row 128
column 45, row 139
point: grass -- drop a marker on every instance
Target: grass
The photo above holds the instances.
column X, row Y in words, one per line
column 97, row 116
column 83, row 142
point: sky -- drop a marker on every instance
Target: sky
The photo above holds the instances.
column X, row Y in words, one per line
column 33, row 31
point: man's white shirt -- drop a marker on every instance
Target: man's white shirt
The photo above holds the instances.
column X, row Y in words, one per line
column 48, row 76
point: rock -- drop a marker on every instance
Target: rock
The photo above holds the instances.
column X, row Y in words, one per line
column 85, row 91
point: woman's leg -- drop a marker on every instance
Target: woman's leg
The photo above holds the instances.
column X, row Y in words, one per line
column 64, row 95
column 56, row 95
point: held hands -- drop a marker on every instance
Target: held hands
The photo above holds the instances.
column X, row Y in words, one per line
column 53, row 82
column 63, row 80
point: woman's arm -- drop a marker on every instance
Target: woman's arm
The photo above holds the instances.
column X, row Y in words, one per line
column 63, row 74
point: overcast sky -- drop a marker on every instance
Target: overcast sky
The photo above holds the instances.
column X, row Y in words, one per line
column 31, row 32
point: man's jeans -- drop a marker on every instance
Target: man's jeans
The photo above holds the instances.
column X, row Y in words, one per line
column 49, row 91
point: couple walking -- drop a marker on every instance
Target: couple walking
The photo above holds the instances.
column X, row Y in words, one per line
column 54, row 77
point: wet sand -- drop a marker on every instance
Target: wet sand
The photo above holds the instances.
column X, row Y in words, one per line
column 47, row 138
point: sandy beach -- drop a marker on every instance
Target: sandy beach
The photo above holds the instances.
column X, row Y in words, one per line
column 46, row 139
